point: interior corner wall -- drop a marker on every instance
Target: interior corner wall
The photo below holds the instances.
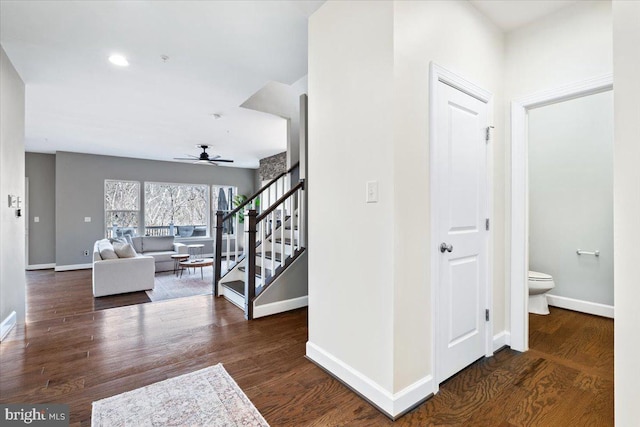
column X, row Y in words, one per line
column 566, row 47
column 570, row 45
column 350, row 143
column 80, row 193
column 12, row 228
column 457, row 37
column 41, row 171
column 626, row 69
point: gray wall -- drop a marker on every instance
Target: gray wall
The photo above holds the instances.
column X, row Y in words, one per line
column 80, row 193
column 41, row 171
column 571, row 196
column 12, row 228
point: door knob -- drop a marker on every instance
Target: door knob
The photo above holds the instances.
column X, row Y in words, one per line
column 444, row 247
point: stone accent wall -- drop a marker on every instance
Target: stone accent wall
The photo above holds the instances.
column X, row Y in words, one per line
column 272, row 166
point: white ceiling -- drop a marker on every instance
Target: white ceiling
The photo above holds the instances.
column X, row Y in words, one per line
column 512, row 14
column 220, row 54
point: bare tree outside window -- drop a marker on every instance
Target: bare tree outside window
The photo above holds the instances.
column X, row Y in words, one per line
column 176, row 209
column 122, row 207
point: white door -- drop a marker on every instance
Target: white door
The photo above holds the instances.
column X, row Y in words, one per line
column 460, row 204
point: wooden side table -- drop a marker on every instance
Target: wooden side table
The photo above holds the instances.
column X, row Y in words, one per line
column 206, row 262
column 177, row 259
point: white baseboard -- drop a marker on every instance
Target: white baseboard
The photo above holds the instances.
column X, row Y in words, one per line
column 279, row 306
column 393, row 405
column 73, row 267
column 41, row 266
column 581, row 306
column 501, row 339
column 7, row 324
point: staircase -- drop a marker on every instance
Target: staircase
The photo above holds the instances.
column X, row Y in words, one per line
column 260, row 259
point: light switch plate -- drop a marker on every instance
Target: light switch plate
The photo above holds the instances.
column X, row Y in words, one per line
column 36, row 219
column 372, row 191
column 87, row 219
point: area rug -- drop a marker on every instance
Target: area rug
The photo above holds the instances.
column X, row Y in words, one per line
column 168, row 286
column 208, row 397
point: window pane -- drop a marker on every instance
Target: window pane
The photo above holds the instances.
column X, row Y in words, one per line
column 185, row 206
column 120, row 223
column 121, row 204
column 121, row 195
column 222, row 198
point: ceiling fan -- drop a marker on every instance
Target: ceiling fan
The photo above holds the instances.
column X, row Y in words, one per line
column 204, row 158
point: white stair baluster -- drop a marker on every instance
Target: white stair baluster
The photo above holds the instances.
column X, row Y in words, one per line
column 263, row 228
column 228, row 251
column 272, row 217
column 301, row 208
column 235, row 240
column 282, row 227
column 291, row 213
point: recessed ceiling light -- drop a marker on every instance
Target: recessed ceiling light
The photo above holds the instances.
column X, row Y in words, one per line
column 119, row 60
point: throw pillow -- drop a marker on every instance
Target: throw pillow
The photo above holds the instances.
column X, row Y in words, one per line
column 106, row 250
column 128, row 239
column 124, row 250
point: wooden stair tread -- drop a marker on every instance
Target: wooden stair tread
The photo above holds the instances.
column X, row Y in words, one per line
column 237, row 286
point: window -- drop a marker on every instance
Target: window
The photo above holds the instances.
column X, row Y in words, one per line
column 121, row 207
column 180, row 210
column 222, row 198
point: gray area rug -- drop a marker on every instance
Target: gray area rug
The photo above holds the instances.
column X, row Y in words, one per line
column 208, row 397
column 169, row 286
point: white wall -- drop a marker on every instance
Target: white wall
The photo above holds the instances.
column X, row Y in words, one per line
column 369, row 290
column 626, row 62
column 568, row 46
column 456, row 36
column 12, row 229
column 571, row 196
column 351, row 142
column 284, row 101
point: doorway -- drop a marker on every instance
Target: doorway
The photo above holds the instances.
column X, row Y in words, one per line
column 520, row 194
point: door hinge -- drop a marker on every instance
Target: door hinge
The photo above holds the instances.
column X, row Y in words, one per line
column 487, row 135
column 486, row 224
column 486, row 314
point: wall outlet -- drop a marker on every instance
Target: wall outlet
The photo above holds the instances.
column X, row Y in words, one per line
column 86, row 253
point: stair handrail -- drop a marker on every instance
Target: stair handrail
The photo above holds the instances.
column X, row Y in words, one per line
column 259, row 192
column 253, row 225
column 221, row 217
column 281, row 200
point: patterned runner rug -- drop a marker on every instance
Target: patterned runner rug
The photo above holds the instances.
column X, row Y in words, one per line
column 208, row 397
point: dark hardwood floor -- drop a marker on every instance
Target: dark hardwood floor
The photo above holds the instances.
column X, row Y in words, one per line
column 72, row 352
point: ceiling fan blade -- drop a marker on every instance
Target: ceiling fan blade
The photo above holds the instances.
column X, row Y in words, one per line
column 221, row 160
column 186, row 158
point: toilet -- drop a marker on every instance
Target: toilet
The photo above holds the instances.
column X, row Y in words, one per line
column 539, row 285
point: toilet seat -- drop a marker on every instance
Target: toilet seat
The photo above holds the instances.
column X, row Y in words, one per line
column 536, row 276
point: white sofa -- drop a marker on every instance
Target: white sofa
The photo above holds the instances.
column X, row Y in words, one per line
column 160, row 248
column 117, row 276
